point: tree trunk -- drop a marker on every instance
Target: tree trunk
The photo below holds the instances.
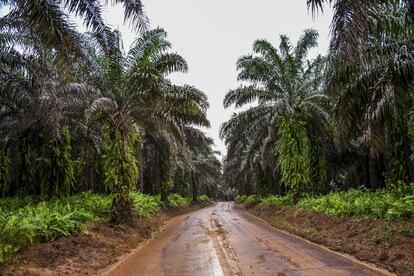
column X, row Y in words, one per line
column 121, row 204
column 121, row 210
column 164, row 196
column 194, row 188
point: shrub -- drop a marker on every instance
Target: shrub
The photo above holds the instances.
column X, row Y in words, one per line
column 247, row 199
column 277, row 201
column 24, row 222
column 178, row 201
column 204, row 198
column 44, row 221
column 240, row 198
column 381, row 204
column 145, row 205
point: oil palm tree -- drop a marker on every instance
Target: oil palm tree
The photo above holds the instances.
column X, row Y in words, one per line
column 373, row 97
column 37, row 107
column 205, row 167
column 136, row 97
column 354, row 21
column 287, row 89
column 49, row 23
column 153, row 63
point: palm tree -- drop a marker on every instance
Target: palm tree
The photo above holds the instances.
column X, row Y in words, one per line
column 354, row 21
column 37, row 107
column 135, row 96
column 205, row 167
column 49, row 23
column 287, row 89
column 373, row 97
column 153, row 63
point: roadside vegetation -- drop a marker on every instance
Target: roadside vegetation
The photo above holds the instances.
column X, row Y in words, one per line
column 380, row 204
column 329, row 133
column 26, row 221
column 90, row 130
column 94, row 130
column 324, row 145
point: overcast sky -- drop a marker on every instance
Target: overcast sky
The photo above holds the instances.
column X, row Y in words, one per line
column 212, row 35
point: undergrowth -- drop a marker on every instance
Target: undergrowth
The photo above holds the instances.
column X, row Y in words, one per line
column 381, row 204
column 26, row 221
column 178, row 201
column 204, row 199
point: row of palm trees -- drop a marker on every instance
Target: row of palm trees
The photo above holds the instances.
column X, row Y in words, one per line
column 78, row 113
column 334, row 122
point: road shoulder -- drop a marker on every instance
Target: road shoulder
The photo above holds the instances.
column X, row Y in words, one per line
column 383, row 244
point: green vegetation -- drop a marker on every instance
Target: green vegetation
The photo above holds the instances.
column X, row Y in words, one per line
column 380, row 204
column 25, row 221
column 144, row 205
column 329, row 133
column 177, row 201
column 80, row 113
column 204, row 198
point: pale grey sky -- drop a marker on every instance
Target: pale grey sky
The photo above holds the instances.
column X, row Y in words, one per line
column 212, row 35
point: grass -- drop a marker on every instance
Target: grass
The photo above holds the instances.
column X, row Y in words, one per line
column 24, row 221
column 381, row 204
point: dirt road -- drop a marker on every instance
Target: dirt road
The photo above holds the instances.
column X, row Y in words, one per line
column 226, row 240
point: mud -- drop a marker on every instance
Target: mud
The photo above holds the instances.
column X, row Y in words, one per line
column 96, row 247
column 388, row 244
column 226, row 240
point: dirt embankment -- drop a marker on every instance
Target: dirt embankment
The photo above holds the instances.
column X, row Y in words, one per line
column 97, row 246
column 388, row 244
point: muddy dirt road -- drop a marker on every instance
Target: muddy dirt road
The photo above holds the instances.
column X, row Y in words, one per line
column 226, row 240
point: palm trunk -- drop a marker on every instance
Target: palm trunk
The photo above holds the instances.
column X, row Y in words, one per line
column 121, row 203
column 194, row 188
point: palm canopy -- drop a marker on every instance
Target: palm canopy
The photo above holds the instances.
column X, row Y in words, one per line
column 135, row 91
column 49, row 23
column 370, row 82
column 284, row 86
column 354, row 21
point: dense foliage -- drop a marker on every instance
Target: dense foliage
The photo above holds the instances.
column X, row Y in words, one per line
column 80, row 113
column 313, row 126
column 25, row 221
column 381, row 204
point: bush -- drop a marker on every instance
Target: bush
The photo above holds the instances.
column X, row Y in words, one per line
column 247, row 199
column 240, row 198
column 145, row 205
column 24, row 222
column 277, row 201
column 204, row 198
column 178, row 201
column 381, row 204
